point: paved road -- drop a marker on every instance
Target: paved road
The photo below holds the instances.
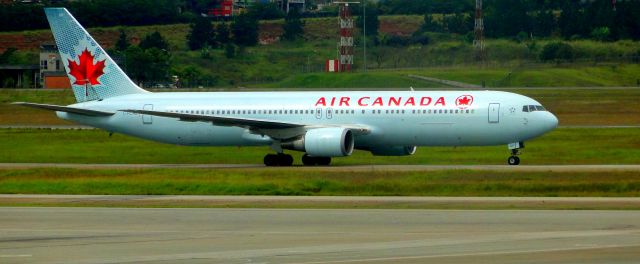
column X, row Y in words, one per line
column 113, row 235
column 253, row 201
column 520, row 168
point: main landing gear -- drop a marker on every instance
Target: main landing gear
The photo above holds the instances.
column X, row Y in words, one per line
column 279, row 159
column 312, row 161
column 515, row 151
column 285, row 160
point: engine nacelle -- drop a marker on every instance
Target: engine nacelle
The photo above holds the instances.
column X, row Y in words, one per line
column 324, row 142
column 393, row 151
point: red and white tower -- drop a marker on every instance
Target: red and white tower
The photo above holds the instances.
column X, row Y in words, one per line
column 345, row 46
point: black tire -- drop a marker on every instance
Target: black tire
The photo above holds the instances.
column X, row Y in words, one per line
column 323, row 161
column 308, row 160
column 270, row 160
column 285, row 160
column 513, row 160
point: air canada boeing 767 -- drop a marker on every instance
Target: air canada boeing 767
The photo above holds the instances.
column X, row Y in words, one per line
column 321, row 124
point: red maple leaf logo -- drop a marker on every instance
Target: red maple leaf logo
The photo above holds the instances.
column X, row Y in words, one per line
column 465, row 100
column 86, row 72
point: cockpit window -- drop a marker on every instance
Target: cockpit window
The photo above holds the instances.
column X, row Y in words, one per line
column 533, row 108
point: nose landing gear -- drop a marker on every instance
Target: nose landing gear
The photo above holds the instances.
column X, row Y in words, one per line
column 515, row 151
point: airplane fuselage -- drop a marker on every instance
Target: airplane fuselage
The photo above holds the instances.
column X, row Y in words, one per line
column 393, row 118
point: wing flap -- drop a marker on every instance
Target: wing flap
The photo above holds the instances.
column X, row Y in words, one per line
column 68, row 109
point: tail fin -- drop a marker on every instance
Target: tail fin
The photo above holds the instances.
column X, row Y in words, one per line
column 93, row 74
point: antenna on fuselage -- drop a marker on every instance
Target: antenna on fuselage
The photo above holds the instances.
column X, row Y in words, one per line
column 411, row 88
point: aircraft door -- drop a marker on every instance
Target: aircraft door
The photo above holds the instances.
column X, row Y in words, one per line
column 319, row 113
column 494, row 113
column 329, row 113
column 147, row 119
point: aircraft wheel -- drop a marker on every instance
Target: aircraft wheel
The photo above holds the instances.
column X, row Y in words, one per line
column 308, row 160
column 323, row 161
column 285, row 160
column 513, row 160
column 270, row 160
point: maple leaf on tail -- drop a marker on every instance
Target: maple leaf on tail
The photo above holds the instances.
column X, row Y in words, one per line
column 85, row 71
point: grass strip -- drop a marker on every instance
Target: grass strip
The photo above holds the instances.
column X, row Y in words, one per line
column 562, row 146
column 289, row 181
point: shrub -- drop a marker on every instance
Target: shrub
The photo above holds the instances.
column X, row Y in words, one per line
column 557, row 51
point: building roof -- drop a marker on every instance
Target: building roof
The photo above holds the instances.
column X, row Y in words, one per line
column 19, row 67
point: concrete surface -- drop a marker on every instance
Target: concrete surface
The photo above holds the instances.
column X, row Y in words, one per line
column 524, row 168
column 114, row 235
column 390, row 202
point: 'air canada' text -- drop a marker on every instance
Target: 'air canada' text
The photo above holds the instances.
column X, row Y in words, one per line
column 380, row 101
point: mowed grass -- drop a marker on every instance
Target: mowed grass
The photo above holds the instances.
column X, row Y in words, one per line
column 562, row 146
column 291, row 181
column 599, row 106
column 619, row 75
column 352, row 80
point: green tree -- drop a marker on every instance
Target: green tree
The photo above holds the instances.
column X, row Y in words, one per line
column 506, row 18
column 154, row 40
column 458, row 23
column 229, row 50
column 222, row 34
column 6, row 55
column 123, row 43
column 601, row 33
column 430, row 24
column 201, row 34
column 262, row 11
column 293, row 26
column 558, row 52
column 544, row 23
column 372, row 21
column 147, row 65
column 245, row 30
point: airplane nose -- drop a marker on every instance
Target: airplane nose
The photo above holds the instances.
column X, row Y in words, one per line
column 551, row 121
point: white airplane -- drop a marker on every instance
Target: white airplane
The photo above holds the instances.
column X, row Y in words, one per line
column 321, row 124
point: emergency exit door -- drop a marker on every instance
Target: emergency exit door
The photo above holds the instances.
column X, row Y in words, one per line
column 494, row 113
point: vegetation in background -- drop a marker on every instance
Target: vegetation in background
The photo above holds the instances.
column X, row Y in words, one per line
column 293, row 26
column 245, row 30
column 201, row 34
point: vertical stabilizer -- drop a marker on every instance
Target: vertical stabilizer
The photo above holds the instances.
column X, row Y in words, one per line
column 93, row 74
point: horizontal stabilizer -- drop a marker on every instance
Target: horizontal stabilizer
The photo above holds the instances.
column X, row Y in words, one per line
column 72, row 110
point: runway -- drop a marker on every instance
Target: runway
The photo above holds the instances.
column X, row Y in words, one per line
column 115, row 235
column 344, row 202
column 519, row 168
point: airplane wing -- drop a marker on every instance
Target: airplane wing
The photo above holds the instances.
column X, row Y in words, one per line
column 68, row 109
column 268, row 127
column 221, row 121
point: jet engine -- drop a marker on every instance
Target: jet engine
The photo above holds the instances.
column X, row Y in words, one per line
column 324, row 142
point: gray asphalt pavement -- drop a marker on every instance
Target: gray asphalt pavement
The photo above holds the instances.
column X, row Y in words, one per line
column 522, row 168
column 113, row 235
